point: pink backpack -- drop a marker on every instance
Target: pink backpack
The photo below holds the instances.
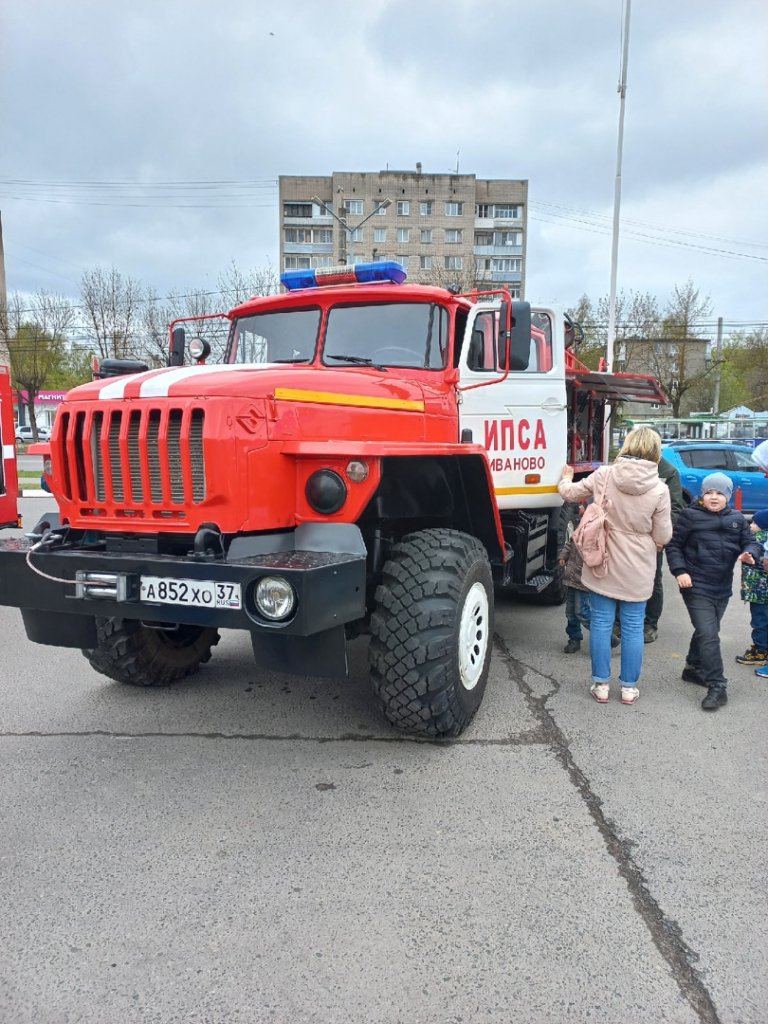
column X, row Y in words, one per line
column 591, row 535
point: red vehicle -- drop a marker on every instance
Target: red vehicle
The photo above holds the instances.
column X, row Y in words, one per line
column 9, row 483
column 366, row 456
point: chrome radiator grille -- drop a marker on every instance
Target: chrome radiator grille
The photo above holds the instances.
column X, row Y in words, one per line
column 151, row 456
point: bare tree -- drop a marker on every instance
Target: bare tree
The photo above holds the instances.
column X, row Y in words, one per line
column 160, row 313
column 678, row 358
column 237, row 286
column 111, row 303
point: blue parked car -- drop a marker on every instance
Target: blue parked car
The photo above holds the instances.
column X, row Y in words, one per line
column 696, row 459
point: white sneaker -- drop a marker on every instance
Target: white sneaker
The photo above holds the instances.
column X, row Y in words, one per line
column 601, row 692
column 629, row 694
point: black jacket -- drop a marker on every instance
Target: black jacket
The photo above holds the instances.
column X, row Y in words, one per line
column 706, row 545
column 669, row 474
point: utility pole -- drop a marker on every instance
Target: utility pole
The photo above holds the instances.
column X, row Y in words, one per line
column 345, row 225
column 622, row 90
column 718, row 364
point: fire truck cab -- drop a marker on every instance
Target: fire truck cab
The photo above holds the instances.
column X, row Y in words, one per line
column 9, row 485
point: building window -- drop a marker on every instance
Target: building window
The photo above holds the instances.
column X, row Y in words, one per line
column 296, row 262
column 425, row 262
column 402, row 258
column 425, row 208
column 379, row 256
column 454, row 209
column 403, row 234
column 297, row 209
column 508, row 211
column 356, row 235
column 308, row 236
column 507, row 265
column 426, row 236
column 453, row 235
column 381, row 211
column 499, row 211
column 483, row 238
column 353, row 206
column 379, row 234
column 453, row 262
column 403, row 208
column 507, row 238
column 321, row 261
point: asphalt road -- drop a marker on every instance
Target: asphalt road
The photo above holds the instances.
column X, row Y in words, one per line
column 254, row 848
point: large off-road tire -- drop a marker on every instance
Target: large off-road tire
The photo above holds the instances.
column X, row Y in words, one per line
column 554, row 592
column 130, row 652
column 432, row 632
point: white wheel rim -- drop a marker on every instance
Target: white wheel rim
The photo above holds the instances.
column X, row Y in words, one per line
column 474, row 631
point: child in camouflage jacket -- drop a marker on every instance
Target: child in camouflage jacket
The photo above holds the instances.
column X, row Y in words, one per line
column 754, row 590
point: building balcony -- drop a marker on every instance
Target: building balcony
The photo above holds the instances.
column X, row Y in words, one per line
column 501, row 251
column 311, row 248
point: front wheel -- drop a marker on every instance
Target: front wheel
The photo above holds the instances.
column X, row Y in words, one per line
column 131, row 652
column 431, row 632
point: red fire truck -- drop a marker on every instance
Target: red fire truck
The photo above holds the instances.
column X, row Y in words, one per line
column 365, row 456
column 9, row 484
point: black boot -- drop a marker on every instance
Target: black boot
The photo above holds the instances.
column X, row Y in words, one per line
column 716, row 697
column 572, row 646
column 690, row 675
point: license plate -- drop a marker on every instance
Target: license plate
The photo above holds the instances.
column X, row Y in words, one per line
column 190, row 593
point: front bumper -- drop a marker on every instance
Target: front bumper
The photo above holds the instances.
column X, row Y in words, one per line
column 329, row 586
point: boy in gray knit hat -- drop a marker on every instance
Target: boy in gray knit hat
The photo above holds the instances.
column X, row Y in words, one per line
column 707, row 541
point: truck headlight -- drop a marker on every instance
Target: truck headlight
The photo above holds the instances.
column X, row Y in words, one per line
column 326, row 492
column 275, row 598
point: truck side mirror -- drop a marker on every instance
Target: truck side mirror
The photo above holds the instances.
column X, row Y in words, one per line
column 178, row 341
column 515, row 335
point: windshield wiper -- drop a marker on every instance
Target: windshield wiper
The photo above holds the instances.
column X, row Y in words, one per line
column 289, row 360
column 357, row 360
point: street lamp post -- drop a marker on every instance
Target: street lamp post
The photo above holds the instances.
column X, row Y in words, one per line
column 345, row 225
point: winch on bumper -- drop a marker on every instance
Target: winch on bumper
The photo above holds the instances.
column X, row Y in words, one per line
column 307, row 583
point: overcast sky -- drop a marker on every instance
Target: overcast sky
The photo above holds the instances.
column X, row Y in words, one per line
column 166, row 93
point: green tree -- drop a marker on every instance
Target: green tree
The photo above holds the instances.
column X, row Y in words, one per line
column 34, row 330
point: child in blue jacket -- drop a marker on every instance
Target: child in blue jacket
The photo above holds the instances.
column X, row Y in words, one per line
column 707, row 541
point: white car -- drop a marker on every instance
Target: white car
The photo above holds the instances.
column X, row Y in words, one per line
column 24, row 434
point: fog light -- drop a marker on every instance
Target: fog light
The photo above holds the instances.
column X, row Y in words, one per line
column 326, row 492
column 357, row 471
column 275, row 598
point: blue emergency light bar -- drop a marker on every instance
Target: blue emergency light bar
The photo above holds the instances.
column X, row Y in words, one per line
column 356, row 273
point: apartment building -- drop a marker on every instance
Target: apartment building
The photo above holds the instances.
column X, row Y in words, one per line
column 444, row 228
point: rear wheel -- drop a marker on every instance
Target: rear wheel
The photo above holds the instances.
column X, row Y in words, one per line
column 132, row 652
column 432, row 632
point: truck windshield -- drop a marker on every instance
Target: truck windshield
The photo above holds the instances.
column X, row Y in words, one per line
column 288, row 336
column 388, row 334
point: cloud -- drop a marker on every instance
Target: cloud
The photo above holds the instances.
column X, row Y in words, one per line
column 185, row 91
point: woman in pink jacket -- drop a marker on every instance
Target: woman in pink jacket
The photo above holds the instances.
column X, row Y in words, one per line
column 639, row 525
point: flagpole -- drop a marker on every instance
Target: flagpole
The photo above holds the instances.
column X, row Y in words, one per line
column 622, row 90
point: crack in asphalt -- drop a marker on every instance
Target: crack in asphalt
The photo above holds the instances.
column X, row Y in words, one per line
column 666, row 934
column 524, row 739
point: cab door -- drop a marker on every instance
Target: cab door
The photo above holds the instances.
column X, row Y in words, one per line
column 9, row 481
column 520, row 416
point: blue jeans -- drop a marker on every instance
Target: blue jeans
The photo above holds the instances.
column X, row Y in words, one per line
column 758, row 614
column 704, row 655
column 577, row 612
column 632, row 614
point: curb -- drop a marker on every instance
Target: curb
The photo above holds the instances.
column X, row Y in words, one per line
column 33, row 493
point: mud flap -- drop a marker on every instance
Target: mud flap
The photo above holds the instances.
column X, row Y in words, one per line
column 321, row 654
